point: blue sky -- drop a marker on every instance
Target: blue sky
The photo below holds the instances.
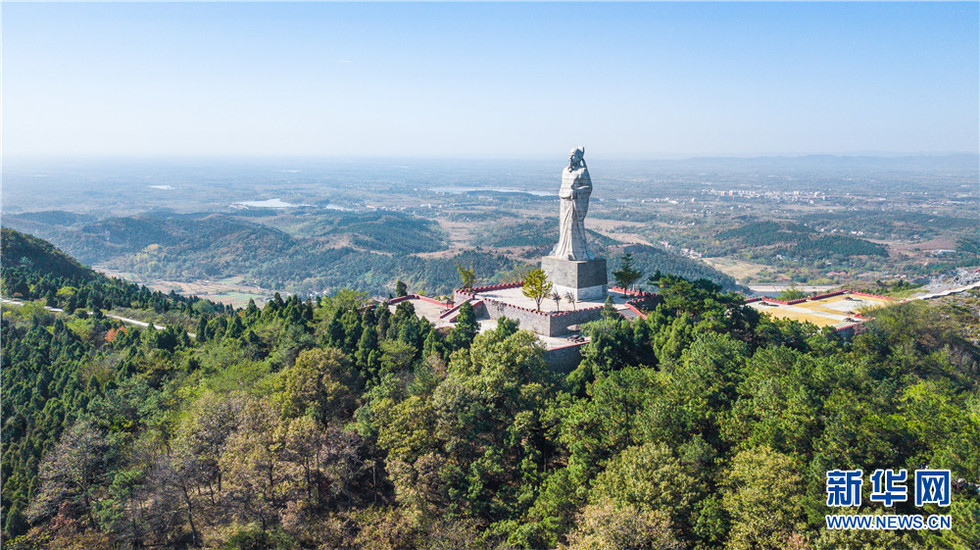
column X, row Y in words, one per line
column 490, row 79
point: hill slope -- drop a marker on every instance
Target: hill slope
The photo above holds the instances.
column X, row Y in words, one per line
column 19, row 249
column 321, row 251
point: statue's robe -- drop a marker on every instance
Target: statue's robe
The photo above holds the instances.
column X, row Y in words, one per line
column 576, row 186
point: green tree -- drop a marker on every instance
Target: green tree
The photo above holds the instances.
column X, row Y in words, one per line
column 467, row 275
column 352, row 323
column 697, row 390
column 466, row 328
column 608, row 420
column 367, row 345
column 791, row 293
column 626, row 276
column 650, row 477
column 342, row 300
column 322, row 383
column 763, row 484
column 487, row 419
column 609, row 311
column 15, row 523
column 397, row 356
column 401, row 289
column 614, row 343
column 621, row 527
column 202, row 328
column 537, row 287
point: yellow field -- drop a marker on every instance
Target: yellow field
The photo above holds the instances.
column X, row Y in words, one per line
column 226, row 291
column 836, row 311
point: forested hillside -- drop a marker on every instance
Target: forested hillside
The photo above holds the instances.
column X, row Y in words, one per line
column 796, row 241
column 36, row 256
column 312, row 252
column 885, row 224
column 340, row 424
column 34, row 270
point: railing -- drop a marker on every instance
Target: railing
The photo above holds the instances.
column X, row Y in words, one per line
column 401, row 299
column 827, row 295
column 626, row 292
column 434, row 301
column 455, row 308
column 512, row 306
column 636, row 310
column 488, row 288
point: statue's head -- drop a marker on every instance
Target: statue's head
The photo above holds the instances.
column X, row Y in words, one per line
column 575, row 157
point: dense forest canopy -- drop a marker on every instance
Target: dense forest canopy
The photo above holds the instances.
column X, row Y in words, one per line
column 338, row 423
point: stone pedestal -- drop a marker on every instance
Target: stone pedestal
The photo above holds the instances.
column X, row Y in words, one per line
column 586, row 280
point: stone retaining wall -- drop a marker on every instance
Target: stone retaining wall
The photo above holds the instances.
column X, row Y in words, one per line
column 546, row 323
column 561, row 321
column 563, row 360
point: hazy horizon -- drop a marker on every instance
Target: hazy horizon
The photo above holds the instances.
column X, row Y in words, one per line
column 884, row 155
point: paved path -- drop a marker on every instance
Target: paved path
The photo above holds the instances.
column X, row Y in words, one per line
column 18, row 303
column 945, row 292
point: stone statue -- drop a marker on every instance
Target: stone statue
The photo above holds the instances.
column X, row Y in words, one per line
column 571, row 267
column 576, row 186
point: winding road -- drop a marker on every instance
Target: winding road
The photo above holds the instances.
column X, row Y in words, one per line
column 18, row 303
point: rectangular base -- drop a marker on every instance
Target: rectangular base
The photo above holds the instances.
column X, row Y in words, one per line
column 589, row 293
column 586, row 280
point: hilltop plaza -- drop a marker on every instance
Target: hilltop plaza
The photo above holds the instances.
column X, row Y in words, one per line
column 579, row 283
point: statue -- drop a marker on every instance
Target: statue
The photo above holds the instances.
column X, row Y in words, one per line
column 571, row 266
column 576, row 186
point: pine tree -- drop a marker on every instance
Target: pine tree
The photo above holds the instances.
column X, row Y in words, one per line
column 202, row 328
column 466, row 328
column 626, row 276
column 467, row 275
column 609, row 310
column 433, row 345
column 351, row 321
column 367, row 344
column 235, row 328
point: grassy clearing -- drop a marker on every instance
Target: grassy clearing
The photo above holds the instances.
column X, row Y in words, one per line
column 736, row 268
